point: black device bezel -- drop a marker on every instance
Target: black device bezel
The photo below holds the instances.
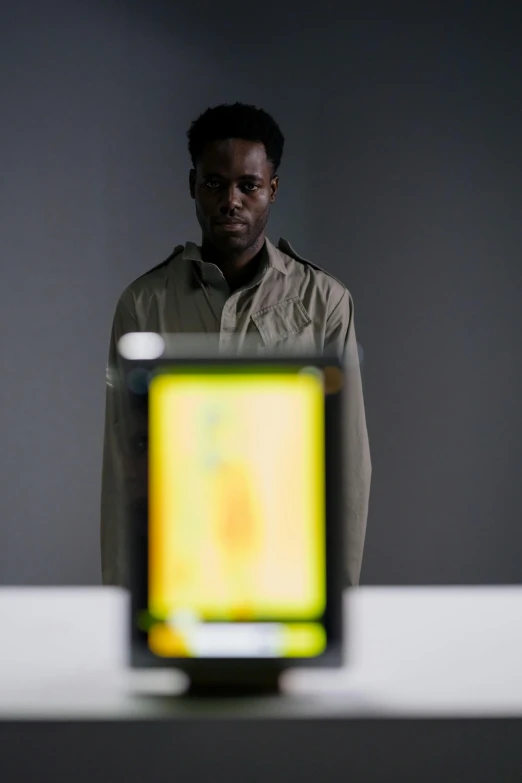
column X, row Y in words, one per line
column 137, row 518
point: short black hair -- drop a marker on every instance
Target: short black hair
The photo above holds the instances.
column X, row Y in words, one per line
column 236, row 121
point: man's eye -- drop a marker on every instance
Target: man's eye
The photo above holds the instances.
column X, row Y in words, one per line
column 212, row 183
column 251, row 186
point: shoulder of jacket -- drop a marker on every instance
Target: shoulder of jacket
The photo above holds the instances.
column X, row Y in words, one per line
column 149, row 279
column 159, row 269
column 285, row 247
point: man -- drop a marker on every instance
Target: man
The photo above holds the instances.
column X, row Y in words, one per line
column 236, row 286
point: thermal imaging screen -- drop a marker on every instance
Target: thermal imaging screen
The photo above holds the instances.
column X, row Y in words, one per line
column 237, row 561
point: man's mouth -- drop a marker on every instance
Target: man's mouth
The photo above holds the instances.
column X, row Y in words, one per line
column 229, row 225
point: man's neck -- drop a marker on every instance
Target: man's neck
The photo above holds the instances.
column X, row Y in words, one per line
column 238, row 270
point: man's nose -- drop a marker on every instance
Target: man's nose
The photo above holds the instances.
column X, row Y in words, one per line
column 231, row 200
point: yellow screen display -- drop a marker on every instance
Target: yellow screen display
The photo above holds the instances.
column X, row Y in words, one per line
column 236, row 514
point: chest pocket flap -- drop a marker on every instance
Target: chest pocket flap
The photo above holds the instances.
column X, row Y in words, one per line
column 281, row 320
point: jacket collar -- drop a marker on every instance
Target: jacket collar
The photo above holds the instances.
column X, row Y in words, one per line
column 275, row 258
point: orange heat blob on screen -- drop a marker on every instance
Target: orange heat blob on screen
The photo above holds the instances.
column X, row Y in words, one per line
column 236, row 517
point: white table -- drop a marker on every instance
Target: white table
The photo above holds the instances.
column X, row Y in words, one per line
column 451, row 656
column 411, row 652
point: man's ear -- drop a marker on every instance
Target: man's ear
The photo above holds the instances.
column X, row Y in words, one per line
column 192, row 183
column 274, row 184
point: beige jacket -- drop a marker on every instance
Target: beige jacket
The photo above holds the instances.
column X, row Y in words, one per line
column 292, row 303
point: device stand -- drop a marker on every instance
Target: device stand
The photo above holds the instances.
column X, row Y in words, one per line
column 208, row 684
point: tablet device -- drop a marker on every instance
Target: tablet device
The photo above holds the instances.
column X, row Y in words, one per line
column 236, row 532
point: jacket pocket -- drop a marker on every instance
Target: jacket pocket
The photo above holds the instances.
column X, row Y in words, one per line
column 286, row 320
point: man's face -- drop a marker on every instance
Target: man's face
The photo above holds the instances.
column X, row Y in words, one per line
column 233, row 186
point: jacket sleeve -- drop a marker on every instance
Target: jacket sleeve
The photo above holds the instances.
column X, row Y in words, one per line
column 340, row 334
column 115, row 469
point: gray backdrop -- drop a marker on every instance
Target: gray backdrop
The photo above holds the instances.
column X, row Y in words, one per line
column 402, row 176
